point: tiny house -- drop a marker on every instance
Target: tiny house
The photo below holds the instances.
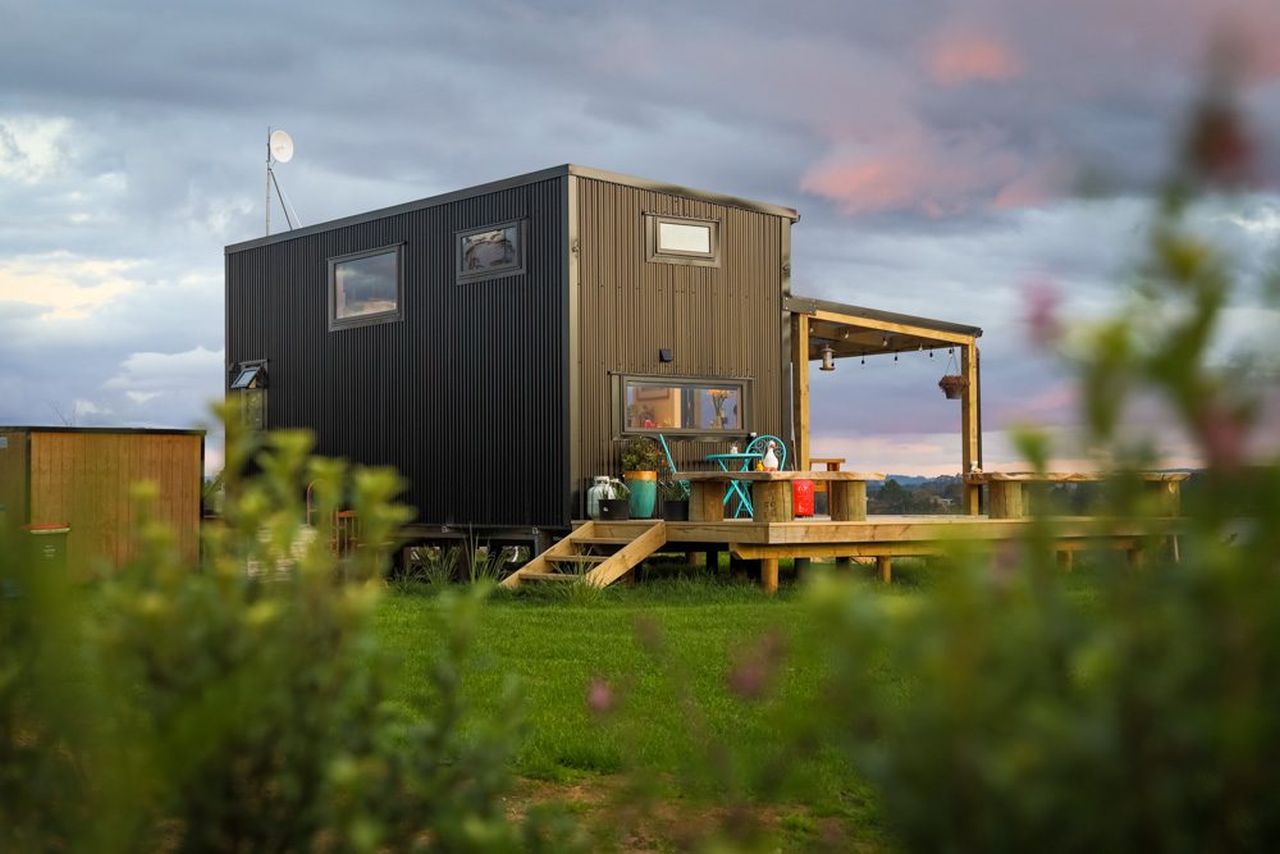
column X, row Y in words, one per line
column 81, row 477
column 498, row 344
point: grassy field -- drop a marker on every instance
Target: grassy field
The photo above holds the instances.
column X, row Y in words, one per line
column 681, row 716
column 680, row 704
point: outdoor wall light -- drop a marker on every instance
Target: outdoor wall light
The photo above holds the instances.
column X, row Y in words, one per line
column 828, row 358
column 884, row 342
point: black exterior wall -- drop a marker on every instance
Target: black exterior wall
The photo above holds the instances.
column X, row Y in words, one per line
column 466, row 396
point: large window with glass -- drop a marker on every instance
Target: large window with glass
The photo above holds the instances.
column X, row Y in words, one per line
column 366, row 287
column 689, row 406
column 682, row 240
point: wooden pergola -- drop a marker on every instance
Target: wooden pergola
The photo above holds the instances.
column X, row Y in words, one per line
column 853, row 331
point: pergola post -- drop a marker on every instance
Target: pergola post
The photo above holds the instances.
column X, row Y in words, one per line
column 800, row 388
column 970, row 440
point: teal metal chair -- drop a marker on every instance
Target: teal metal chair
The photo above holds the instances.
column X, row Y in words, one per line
column 760, row 445
column 671, row 462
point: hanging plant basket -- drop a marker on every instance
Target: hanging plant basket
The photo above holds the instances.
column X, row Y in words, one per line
column 953, row 386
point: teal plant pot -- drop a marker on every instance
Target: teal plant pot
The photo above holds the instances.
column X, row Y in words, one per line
column 644, row 492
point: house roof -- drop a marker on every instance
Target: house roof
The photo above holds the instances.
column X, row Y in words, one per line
column 853, row 330
column 518, row 181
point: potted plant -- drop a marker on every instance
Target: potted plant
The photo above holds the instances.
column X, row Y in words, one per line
column 675, row 504
column 952, row 386
column 619, row 506
column 641, row 460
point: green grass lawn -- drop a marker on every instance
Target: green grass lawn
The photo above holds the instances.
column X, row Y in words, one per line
column 667, row 649
column 681, row 716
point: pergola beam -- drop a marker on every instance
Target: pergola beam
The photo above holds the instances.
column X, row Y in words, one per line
column 923, row 332
column 862, row 332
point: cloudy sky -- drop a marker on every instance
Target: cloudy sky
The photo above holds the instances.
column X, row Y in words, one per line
column 934, row 149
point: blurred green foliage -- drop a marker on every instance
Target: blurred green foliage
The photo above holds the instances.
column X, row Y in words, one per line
column 1000, row 713
column 241, row 705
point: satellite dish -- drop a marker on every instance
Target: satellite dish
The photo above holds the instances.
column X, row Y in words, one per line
column 281, row 146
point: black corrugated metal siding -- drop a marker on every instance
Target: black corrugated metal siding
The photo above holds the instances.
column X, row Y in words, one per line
column 465, row 396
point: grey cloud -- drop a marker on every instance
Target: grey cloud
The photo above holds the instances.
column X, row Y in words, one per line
column 169, row 104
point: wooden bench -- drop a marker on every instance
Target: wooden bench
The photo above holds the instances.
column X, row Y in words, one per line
column 1006, row 498
column 771, row 493
column 828, row 464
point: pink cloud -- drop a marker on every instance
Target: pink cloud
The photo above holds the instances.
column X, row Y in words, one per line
column 938, row 174
column 958, row 58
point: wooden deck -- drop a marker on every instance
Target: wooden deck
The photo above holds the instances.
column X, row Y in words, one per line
column 882, row 537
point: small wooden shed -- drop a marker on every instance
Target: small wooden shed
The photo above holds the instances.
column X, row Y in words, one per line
column 81, row 477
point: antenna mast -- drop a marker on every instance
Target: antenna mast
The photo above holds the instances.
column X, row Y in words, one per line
column 279, row 150
column 268, row 200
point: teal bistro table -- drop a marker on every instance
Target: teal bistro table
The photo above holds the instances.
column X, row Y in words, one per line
column 737, row 487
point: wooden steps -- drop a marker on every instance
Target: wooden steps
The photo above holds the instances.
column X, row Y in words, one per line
column 575, row 558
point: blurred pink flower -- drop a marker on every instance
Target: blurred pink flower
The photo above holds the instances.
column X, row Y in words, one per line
column 1220, row 147
column 754, row 673
column 600, row 696
column 1042, row 300
column 1224, row 436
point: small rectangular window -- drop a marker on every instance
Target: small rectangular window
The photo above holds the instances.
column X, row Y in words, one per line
column 680, row 240
column 247, row 378
column 491, row 252
column 365, row 288
column 690, row 406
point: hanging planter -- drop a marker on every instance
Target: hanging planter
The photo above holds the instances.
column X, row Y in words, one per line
column 953, row 386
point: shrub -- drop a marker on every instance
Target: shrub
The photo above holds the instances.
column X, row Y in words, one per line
column 177, row 707
column 1003, row 713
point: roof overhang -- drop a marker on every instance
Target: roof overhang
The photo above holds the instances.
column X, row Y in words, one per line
column 561, row 171
column 851, row 330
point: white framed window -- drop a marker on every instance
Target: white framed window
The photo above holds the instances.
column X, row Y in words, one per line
column 683, row 240
column 365, row 288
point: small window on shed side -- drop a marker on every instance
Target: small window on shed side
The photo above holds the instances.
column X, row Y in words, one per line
column 366, row 288
column 681, row 240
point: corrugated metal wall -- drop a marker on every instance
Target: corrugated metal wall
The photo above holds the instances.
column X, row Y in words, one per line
column 465, row 396
column 724, row 321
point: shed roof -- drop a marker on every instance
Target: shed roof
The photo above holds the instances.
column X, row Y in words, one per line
column 58, row 428
column 518, row 181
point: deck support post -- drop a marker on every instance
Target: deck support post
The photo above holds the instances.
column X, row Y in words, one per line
column 712, row 557
column 769, row 574
column 970, row 428
column 541, row 541
column 1066, row 560
column 800, row 388
column 884, row 565
column 847, row 500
